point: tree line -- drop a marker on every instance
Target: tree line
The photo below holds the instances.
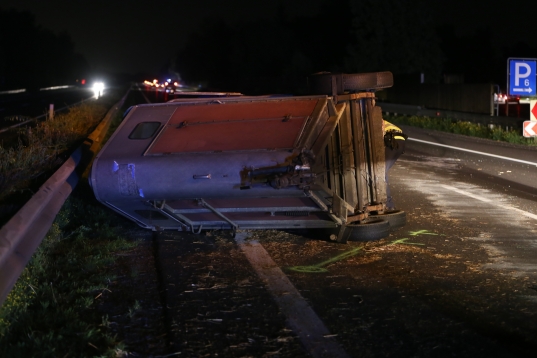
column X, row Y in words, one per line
column 350, row 36
column 276, row 55
column 31, row 56
column 346, row 36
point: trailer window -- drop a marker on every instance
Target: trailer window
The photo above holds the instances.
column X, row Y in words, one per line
column 144, row 130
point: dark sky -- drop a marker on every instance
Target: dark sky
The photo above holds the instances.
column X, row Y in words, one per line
column 139, row 36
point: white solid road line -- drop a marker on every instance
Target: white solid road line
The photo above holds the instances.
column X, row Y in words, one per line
column 300, row 316
column 474, row 151
column 501, row 205
column 525, row 213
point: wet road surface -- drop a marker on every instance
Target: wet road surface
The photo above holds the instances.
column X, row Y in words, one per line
column 460, row 279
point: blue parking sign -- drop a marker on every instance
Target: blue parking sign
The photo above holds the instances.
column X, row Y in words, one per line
column 522, row 77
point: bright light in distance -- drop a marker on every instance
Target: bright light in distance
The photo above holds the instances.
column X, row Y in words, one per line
column 98, row 88
column 155, row 81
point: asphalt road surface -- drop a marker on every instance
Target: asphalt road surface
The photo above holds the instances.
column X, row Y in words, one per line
column 493, row 192
column 459, row 280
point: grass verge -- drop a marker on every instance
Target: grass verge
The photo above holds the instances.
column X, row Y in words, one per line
column 462, row 127
column 50, row 312
column 41, row 149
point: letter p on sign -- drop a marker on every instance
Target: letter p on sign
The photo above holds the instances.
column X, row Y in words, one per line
column 522, row 70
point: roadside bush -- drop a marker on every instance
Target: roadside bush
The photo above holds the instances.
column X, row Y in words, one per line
column 463, row 127
column 40, row 148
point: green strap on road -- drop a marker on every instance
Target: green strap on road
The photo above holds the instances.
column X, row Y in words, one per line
column 319, row 267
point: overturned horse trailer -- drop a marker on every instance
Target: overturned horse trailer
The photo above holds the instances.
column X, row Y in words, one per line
column 267, row 162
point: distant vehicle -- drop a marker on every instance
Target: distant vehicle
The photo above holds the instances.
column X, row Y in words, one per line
column 255, row 162
column 513, row 99
column 501, row 98
column 168, row 86
column 172, row 86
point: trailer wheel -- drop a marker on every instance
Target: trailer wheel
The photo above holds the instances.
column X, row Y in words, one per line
column 367, row 81
column 396, row 218
column 337, row 83
column 372, row 229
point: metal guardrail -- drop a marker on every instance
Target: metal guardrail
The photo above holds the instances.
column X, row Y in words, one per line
column 20, row 236
column 509, row 122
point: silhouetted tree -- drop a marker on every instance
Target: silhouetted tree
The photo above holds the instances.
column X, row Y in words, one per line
column 396, row 36
column 252, row 57
column 471, row 54
column 31, row 56
column 277, row 55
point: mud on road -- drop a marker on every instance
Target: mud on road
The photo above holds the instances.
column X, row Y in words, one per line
column 421, row 292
